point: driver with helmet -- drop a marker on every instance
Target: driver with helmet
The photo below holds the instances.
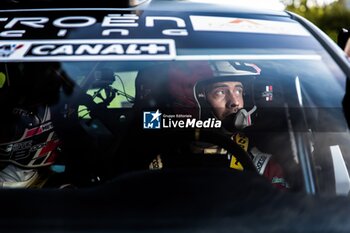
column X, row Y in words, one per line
column 29, row 144
column 219, row 90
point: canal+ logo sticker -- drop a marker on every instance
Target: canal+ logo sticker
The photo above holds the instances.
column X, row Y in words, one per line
column 152, row 120
column 7, row 49
column 88, row 50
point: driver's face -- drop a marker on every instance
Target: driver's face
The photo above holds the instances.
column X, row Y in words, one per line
column 225, row 98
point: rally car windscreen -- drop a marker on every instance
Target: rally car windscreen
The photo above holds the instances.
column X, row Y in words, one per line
column 96, row 117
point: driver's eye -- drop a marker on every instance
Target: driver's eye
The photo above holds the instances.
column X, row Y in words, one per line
column 238, row 91
column 219, row 92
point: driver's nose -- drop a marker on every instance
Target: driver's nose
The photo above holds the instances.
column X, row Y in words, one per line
column 232, row 100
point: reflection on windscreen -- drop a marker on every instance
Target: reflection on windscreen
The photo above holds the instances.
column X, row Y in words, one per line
column 84, row 123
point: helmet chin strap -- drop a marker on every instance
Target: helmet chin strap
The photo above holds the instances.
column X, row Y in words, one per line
column 239, row 120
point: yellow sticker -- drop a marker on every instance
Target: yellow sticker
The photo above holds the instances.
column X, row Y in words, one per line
column 2, row 79
column 242, row 141
column 235, row 164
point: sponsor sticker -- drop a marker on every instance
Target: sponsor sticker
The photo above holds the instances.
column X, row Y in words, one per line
column 85, row 50
column 268, row 93
column 260, row 160
column 227, row 24
column 235, row 164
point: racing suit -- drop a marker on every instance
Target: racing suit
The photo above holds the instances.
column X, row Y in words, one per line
column 263, row 162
